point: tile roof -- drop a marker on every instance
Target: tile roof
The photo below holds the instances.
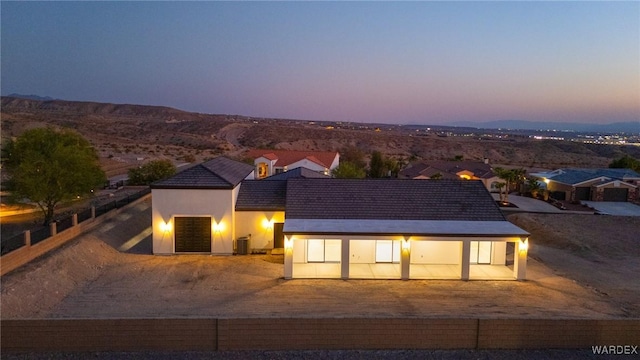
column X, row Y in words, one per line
column 300, row 172
column 257, row 195
column 572, row 176
column 288, row 157
column 390, row 199
column 444, row 228
column 479, row 169
column 218, row 173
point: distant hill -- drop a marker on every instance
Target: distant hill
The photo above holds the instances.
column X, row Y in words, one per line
column 31, row 97
column 632, row 126
column 126, row 133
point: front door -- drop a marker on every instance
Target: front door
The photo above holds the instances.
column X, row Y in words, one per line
column 278, row 236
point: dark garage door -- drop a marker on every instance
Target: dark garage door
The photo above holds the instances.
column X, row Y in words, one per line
column 615, row 194
column 193, row 234
column 583, row 193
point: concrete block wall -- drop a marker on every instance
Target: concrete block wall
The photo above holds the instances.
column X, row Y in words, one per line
column 109, row 335
column 312, row 333
column 556, row 333
column 346, row 333
column 27, row 253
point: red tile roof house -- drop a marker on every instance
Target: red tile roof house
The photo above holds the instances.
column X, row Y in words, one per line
column 340, row 228
column 271, row 162
column 466, row 170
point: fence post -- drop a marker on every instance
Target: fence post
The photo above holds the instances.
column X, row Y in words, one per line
column 54, row 228
column 93, row 212
column 27, row 238
column 74, row 220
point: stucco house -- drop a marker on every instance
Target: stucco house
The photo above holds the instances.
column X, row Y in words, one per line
column 271, row 162
column 591, row 184
column 340, row 228
column 461, row 170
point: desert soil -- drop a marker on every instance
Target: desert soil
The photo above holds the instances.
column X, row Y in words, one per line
column 89, row 278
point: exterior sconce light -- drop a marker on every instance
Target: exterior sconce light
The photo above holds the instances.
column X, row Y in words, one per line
column 288, row 243
column 524, row 245
column 405, row 243
column 218, row 226
column 165, row 227
column 267, row 224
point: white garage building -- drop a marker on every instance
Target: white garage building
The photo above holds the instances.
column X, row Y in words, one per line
column 341, row 228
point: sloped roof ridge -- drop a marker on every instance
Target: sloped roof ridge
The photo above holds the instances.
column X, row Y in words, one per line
column 237, row 171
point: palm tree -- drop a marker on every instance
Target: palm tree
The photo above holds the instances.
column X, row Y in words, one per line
column 510, row 177
column 534, row 187
column 500, row 186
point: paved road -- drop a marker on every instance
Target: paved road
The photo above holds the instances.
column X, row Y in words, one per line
column 614, row 208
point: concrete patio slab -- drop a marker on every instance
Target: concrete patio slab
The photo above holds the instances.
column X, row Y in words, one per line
column 530, row 204
column 614, row 208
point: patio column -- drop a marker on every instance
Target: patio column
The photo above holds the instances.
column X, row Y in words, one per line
column 405, row 258
column 288, row 257
column 464, row 263
column 344, row 259
column 520, row 259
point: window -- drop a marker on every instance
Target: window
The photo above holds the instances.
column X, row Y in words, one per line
column 319, row 250
column 262, row 170
column 480, row 252
column 387, row 251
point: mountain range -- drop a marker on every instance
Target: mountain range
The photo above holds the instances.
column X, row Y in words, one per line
column 627, row 127
column 618, row 127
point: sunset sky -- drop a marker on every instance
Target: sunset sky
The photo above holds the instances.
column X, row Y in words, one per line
column 391, row 62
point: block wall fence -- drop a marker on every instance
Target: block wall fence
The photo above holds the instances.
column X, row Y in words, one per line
column 27, row 253
column 75, row 335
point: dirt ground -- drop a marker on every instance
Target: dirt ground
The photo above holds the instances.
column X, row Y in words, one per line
column 89, row 278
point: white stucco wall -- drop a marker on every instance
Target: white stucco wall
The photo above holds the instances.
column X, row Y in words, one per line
column 306, row 164
column 435, row 252
column 499, row 256
column 260, row 225
column 336, row 162
column 362, row 251
column 166, row 204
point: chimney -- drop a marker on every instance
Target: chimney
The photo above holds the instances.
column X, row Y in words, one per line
column 486, row 161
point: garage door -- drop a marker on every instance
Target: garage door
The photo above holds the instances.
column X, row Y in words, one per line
column 583, row 193
column 615, row 194
column 193, row 234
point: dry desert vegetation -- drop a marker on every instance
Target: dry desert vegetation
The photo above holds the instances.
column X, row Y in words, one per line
column 125, row 135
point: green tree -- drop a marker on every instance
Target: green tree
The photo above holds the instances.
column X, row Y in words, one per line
column 626, row 162
column 354, row 156
column 436, row 176
column 49, row 166
column 348, row 170
column 152, row 171
column 376, row 165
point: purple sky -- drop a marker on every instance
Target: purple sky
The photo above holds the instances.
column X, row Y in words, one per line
column 392, row 62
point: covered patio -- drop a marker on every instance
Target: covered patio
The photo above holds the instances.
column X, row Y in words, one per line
column 418, row 249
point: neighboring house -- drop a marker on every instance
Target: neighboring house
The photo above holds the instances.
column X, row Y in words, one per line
column 592, row 184
column 465, row 170
column 300, row 172
column 271, row 162
column 340, row 228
